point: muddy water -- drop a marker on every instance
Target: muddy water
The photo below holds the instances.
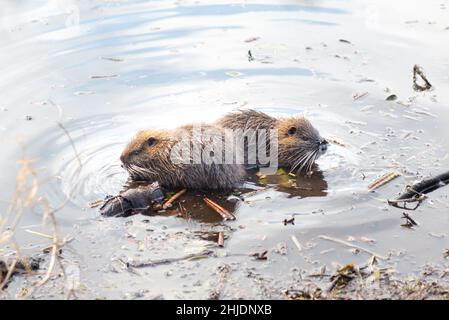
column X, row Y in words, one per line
column 129, row 65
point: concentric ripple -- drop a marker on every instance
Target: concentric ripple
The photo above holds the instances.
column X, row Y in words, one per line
column 84, row 165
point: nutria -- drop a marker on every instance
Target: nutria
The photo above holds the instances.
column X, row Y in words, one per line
column 164, row 156
column 154, row 155
column 299, row 143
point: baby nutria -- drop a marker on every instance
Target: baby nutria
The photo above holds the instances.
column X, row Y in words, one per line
column 178, row 158
column 192, row 156
column 299, row 143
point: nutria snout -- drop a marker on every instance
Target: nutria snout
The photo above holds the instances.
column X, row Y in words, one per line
column 183, row 158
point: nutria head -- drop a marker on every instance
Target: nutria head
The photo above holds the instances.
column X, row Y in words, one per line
column 299, row 143
column 147, row 155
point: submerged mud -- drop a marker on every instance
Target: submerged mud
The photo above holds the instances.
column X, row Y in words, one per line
column 130, row 65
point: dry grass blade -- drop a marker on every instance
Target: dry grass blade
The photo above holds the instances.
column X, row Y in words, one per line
column 296, row 242
column 26, row 198
column 345, row 243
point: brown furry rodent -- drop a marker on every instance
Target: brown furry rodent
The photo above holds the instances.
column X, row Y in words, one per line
column 154, row 155
column 160, row 155
column 299, row 143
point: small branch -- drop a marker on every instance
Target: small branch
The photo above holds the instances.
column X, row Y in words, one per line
column 219, row 209
column 173, row 198
column 345, row 243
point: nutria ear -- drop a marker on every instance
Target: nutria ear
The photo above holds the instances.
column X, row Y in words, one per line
column 291, row 131
column 151, row 141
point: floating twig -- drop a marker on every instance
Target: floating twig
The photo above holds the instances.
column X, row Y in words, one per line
column 409, row 219
column 173, row 198
column 417, row 192
column 39, row 234
column 359, row 95
column 260, row 255
column 104, row 76
column 250, row 56
column 220, row 240
column 345, row 243
column 387, row 177
column 95, row 203
column 425, row 186
column 219, row 209
column 112, row 59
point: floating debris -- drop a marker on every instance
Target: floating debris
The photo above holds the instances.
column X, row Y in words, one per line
column 260, row 255
column 250, row 56
column 391, row 97
column 113, row 59
column 345, row 41
column 173, row 198
column 252, row 39
column 343, row 276
column 83, row 93
column 418, row 71
column 219, row 209
column 446, row 253
column 220, row 240
column 233, row 73
column 336, row 141
column 296, row 242
column 417, row 192
column 409, row 222
column 157, row 262
column 104, row 77
column 289, row 221
column 353, row 246
column 383, row 180
column 95, row 203
column 359, row 95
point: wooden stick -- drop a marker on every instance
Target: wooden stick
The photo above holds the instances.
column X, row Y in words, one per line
column 219, row 209
column 173, row 198
column 153, row 263
column 425, row 186
column 220, row 239
column 353, row 246
column 387, row 177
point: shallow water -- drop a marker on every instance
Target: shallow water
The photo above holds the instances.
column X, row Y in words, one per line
column 129, row 65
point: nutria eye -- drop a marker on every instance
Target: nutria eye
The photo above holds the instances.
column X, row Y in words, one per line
column 291, row 131
column 151, row 142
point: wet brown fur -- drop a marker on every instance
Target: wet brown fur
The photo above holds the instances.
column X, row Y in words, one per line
column 153, row 163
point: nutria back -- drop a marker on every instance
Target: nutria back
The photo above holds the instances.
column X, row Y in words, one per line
column 183, row 157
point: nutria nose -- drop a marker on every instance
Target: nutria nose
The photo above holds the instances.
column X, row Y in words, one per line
column 122, row 158
column 323, row 145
